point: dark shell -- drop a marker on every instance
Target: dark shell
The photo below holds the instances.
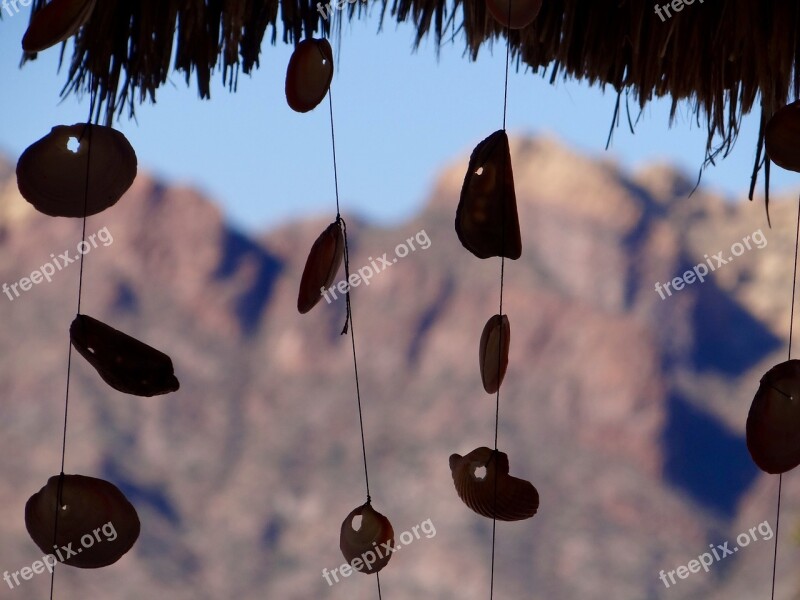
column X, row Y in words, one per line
column 374, row 531
column 493, row 353
column 486, row 219
column 773, row 423
column 523, row 12
column 322, row 264
column 782, row 137
column 124, row 363
column 55, row 22
column 309, row 74
column 516, row 499
column 89, row 505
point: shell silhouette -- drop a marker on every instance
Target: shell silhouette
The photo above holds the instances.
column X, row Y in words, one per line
column 523, row 12
column 486, row 219
column 517, row 499
column 321, row 267
column 53, row 178
column 493, row 353
column 373, row 533
column 309, row 74
column 773, row 423
column 781, row 135
column 55, row 22
column 87, row 505
column 124, row 363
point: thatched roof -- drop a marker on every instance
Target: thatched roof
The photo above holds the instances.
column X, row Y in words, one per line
column 722, row 55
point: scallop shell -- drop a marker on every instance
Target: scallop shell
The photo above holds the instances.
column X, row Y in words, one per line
column 523, row 12
column 486, row 219
column 493, row 353
column 55, row 22
column 309, row 74
column 87, row 505
column 321, row 267
column 124, row 363
column 53, row 178
column 374, row 531
column 781, row 136
column 516, row 499
column 773, row 423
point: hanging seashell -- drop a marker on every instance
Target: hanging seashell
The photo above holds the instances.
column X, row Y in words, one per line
column 782, row 137
column 124, row 363
column 493, row 354
column 96, row 523
column 321, row 267
column 371, row 544
column 523, row 12
column 486, row 219
column 773, row 423
column 52, row 177
column 55, row 22
column 516, row 499
column 309, row 74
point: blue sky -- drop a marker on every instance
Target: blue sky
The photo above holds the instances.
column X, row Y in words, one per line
column 400, row 117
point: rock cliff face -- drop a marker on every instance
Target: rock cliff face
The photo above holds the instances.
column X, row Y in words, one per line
column 626, row 410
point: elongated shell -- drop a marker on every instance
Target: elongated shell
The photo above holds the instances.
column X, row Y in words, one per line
column 55, row 22
column 367, row 542
column 493, row 354
column 124, row 363
column 322, row 264
column 53, row 178
column 486, row 219
column 782, row 137
column 95, row 518
column 517, row 499
column 773, row 423
column 523, row 12
column 309, row 74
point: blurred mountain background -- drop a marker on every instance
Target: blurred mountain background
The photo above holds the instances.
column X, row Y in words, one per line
column 626, row 411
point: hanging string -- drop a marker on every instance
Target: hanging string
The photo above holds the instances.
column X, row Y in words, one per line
column 87, row 131
column 349, row 313
column 502, row 282
column 791, row 331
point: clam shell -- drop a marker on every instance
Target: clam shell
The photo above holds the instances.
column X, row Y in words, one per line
column 486, row 219
column 781, row 137
column 523, row 12
column 517, row 499
column 374, row 530
column 322, row 264
column 55, row 22
column 87, row 505
column 309, row 74
column 773, row 423
column 124, row 363
column 493, row 353
column 53, row 178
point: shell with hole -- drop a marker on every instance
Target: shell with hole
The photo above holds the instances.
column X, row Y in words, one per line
column 53, row 177
column 374, row 536
column 322, row 264
column 516, row 499
column 124, row 363
column 95, row 517
column 782, row 137
column 773, row 423
column 493, row 352
column 486, row 218
column 523, row 12
column 309, row 74
column 56, row 22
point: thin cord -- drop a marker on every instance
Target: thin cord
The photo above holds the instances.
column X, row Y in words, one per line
column 791, row 331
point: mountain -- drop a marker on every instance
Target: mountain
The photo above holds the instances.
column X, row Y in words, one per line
column 624, row 409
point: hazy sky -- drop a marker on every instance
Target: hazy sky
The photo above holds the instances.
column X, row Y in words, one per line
column 400, row 117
